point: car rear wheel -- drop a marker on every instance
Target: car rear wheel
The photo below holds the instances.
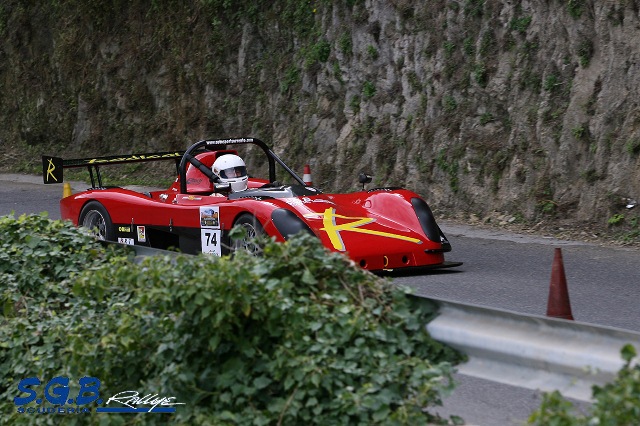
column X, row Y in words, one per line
column 253, row 232
column 96, row 218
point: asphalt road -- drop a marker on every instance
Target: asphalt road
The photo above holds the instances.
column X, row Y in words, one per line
column 513, row 272
column 501, row 270
column 27, row 194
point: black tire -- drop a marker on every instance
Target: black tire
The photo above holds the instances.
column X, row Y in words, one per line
column 254, row 230
column 96, row 218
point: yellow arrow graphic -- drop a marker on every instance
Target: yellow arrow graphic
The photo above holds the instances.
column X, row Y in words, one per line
column 333, row 230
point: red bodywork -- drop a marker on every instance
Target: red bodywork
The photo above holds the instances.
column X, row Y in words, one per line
column 378, row 229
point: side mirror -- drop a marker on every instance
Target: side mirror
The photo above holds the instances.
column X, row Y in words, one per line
column 364, row 178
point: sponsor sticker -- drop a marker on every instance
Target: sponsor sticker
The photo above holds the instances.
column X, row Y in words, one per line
column 229, row 141
column 210, row 217
column 142, row 234
column 139, row 157
column 210, row 232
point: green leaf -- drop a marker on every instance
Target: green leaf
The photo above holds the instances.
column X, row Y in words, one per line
column 261, row 382
column 628, row 353
column 308, row 278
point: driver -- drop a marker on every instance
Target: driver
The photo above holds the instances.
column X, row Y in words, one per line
column 231, row 169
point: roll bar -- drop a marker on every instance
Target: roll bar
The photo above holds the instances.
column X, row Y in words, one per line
column 217, row 144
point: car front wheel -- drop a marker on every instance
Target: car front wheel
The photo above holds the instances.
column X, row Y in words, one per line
column 253, row 232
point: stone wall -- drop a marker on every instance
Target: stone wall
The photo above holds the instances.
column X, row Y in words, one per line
column 523, row 107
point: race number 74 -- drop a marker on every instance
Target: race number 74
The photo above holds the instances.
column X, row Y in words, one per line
column 210, row 239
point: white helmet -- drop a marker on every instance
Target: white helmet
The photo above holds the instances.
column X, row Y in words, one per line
column 230, row 169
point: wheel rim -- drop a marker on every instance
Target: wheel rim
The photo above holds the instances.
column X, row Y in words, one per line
column 95, row 222
column 248, row 243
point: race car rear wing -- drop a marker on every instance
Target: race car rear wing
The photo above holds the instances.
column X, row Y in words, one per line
column 53, row 167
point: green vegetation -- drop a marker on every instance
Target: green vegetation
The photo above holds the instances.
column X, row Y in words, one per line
column 486, row 118
column 345, row 44
column 551, row 83
column 414, row 81
column 624, row 227
column 468, row 46
column 531, row 80
column 188, row 43
column 529, row 49
column 36, row 256
column 487, row 43
column 633, row 146
column 616, row 219
column 616, row 403
column 575, row 8
column 364, row 129
column 450, row 167
column 579, row 132
column 520, row 24
column 372, row 52
column 449, row 48
column 368, row 90
column 337, row 72
column 319, row 52
column 544, row 198
column 449, row 103
column 547, row 206
column 94, row 78
column 585, row 52
column 474, row 8
column 633, row 233
column 354, row 104
column 291, row 78
column 480, row 74
column 295, row 336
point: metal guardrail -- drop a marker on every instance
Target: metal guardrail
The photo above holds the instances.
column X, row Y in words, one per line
column 531, row 351
column 141, row 251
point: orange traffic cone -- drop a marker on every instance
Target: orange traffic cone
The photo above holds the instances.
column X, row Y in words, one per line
column 558, row 305
column 66, row 190
column 306, row 177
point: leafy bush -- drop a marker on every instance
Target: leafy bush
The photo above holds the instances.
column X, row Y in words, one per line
column 298, row 335
column 37, row 258
column 616, row 403
column 36, row 254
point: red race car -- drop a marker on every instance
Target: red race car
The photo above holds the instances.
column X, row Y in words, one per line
column 380, row 229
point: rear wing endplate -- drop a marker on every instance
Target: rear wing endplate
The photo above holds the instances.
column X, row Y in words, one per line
column 53, row 167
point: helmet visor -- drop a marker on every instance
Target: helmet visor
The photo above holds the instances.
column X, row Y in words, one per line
column 233, row 172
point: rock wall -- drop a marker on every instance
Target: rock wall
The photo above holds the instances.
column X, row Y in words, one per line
column 524, row 107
